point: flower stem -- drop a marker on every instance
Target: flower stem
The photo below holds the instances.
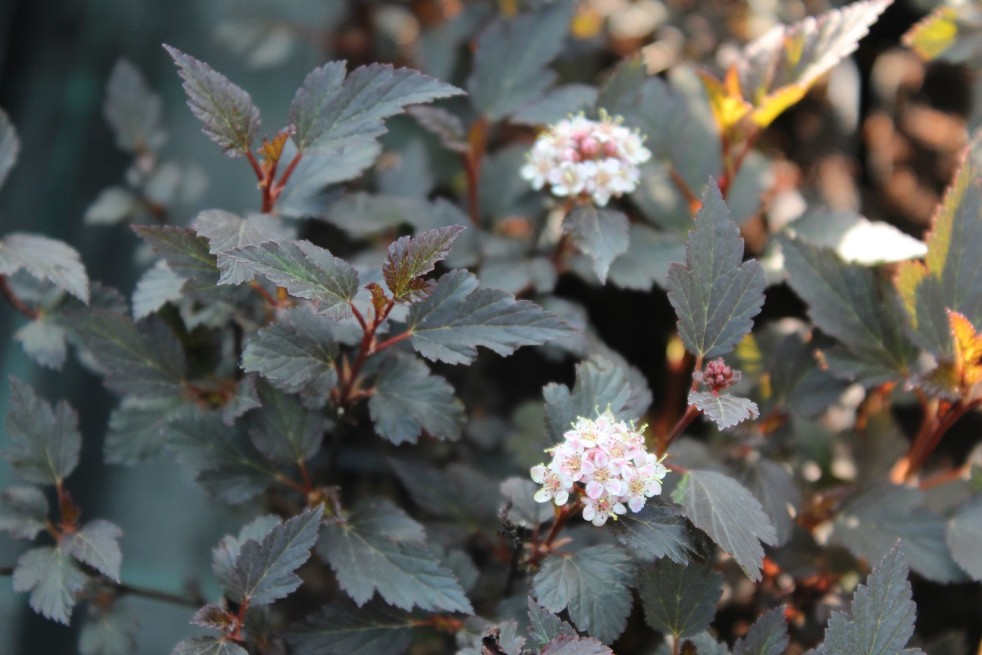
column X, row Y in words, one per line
column 690, row 414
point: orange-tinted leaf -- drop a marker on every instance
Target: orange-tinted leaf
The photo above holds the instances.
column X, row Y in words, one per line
column 968, row 349
column 271, row 151
column 934, row 34
column 725, row 99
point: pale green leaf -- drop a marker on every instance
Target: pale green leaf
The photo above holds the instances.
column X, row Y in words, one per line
column 45, row 259
column 52, row 579
column 133, row 110
column 600, row 233
column 725, row 410
column 44, row 441
column 408, row 400
column 23, row 512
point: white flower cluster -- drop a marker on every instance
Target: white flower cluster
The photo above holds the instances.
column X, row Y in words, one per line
column 607, row 458
column 580, row 156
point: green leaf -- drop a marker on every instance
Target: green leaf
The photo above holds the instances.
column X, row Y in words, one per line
column 601, row 383
column 510, row 64
column 573, row 645
column 592, row 585
column 774, row 487
column 881, row 620
column 229, row 117
column 715, row 295
column 725, row 410
column 870, row 523
column 133, row 110
column 96, row 544
column 544, row 626
column 647, row 259
column 408, row 400
column 345, row 629
column 213, row 617
column 846, row 301
column 23, row 512
column 284, row 431
column 949, row 278
column 264, row 571
column 443, row 124
column 680, row 599
column 142, row 359
column 767, row 636
column 378, row 548
column 657, row 531
column 226, row 231
column 948, row 33
column 45, row 259
column 9, row 146
column 223, row 459
column 187, row 255
column 44, row 341
column 600, row 233
column 158, row 286
column 296, row 353
column 52, row 578
column 409, row 258
column 44, row 440
column 330, row 111
column 557, row 104
column 963, row 536
column 112, row 631
column 307, row 193
column 113, row 205
column 136, row 427
column 799, row 384
column 305, row 270
column 457, row 317
column 208, row 646
column 724, row 509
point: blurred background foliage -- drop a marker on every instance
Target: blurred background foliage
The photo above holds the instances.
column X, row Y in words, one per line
column 882, row 132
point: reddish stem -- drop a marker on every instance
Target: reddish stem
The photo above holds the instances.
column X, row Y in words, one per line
column 279, row 186
column 256, row 168
column 477, row 139
column 691, row 198
column 928, row 438
column 391, row 341
column 367, row 347
column 16, row 302
column 690, row 414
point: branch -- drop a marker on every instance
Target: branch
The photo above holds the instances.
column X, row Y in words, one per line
column 16, row 302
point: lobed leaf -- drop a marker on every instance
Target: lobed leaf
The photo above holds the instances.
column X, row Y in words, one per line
column 724, row 509
column 361, row 214
column 715, row 294
column 600, row 233
column 725, row 410
column 137, row 425
column 870, row 523
column 647, row 260
column 45, row 259
column 44, row 440
column 186, row 254
column 9, row 146
column 767, row 636
column 96, row 544
column 53, row 580
column 330, row 111
column 223, row 459
column 23, row 512
column 208, row 646
column 142, row 359
column 558, row 103
column 963, row 534
column 224, row 555
column 305, row 270
column 657, row 531
column 544, row 626
column 773, row 486
column 846, row 301
column 408, row 400
column 112, row 631
column 158, row 286
column 510, row 63
column 457, row 317
column 296, row 353
column 573, row 645
column 459, row 493
column 378, row 548
column 133, row 110
column 601, row 383
column 444, row 125
column 592, row 585
column 342, row 628
column 283, row 430
column 264, row 570
column 522, row 509
column 226, row 231
column 950, row 278
column 949, row 33
column 680, row 599
column 409, row 258
column 881, row 620
column 778, row 67
column 230, row 118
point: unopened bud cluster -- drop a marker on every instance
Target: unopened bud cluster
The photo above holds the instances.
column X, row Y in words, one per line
column 581, row 156
column 606, row 459
column 717, row 375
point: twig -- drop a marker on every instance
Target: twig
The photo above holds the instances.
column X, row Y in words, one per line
column 16, row 302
